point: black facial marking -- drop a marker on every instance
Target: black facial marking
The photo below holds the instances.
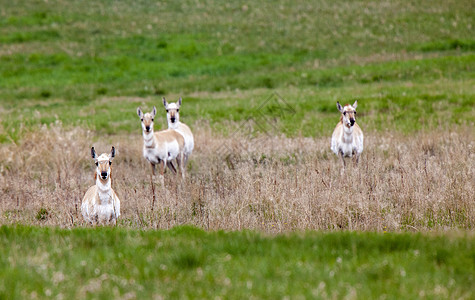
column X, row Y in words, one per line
column 97, row 163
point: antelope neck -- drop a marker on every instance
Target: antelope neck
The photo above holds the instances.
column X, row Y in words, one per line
column 104, row 190
column 173, row 125
column 148, row 139
column 348, row 129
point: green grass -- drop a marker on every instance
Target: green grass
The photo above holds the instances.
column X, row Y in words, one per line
column 69, row 61
column 188, row 262
column 410, row 65
column 402, row 106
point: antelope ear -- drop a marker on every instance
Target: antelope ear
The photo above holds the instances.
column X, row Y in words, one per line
column 112, row 155
column 164, row 102
column 93, row 153
column 154, row 112
column 179, row 102
column 355, row 104
column 339, row 106
column 139, row 113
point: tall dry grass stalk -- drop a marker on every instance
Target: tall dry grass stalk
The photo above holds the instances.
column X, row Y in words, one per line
column 422, row 182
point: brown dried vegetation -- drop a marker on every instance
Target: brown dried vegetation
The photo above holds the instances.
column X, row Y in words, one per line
column 423, row 182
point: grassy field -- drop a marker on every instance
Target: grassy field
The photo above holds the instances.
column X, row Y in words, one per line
column 91, row 65
column 259, row 82
column 189, row 263
column 273, row 184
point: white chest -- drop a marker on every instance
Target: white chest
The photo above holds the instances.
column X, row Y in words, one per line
column 150, row 151
column 151, row 154
column 347, row 148
column 351, row 142
column 347, row 145
column 106, row 211
column 100, row 203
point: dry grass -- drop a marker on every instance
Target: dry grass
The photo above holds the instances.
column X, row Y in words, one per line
column 423, row 182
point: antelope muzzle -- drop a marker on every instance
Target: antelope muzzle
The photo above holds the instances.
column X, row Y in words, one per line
column 172, row 116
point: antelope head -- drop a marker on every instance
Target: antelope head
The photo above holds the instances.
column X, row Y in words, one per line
column 173, row 111
column 103, row 164
column 348, row 113
column 147, row 119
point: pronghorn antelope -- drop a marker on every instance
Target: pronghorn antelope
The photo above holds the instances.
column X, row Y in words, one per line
column 100, row 203
column 347, row 138
column 161, row 147
column 173, row 118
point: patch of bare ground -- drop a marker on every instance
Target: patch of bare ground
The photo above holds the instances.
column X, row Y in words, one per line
column 424, row 182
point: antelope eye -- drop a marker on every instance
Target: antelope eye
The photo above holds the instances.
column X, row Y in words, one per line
column 97, row 163
column 152, row 120
column 355, row 112
column 110, row 163
column 141, row 120
column 167, row 110
column 177, row 110
column 344, row 112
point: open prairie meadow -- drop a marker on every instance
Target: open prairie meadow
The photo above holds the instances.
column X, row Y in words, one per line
column 264, row 211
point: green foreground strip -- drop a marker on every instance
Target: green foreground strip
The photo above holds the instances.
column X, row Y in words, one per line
column 186, row 262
